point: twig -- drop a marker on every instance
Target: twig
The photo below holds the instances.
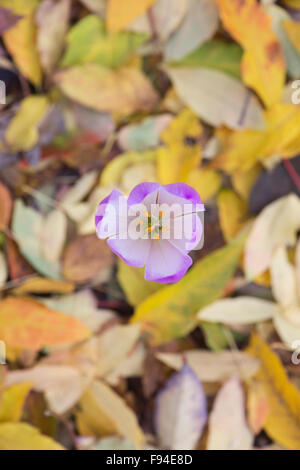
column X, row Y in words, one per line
column 292, row 173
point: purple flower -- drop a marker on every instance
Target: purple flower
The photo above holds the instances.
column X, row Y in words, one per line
column 156, row 227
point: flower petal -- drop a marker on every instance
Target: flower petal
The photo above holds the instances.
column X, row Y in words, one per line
column 133, row 252
column 141, row 191
column 165, row 263
column 181, row 193
column 111, row 215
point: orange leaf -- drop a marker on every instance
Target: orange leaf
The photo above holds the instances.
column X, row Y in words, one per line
column 5, row 207
column 121, row 13
column 26, row 323
column 263, row 64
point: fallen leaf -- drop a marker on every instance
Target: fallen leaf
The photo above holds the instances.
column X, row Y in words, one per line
column 198, row 25
column 244, row 149
column 54, row 235
column 213, row 366
column 28, row 324
column 206, row 181
column 257, row 406
column 133, row 283
column 232, row 213
column 228, row 429
column 263, row 64
column 233, row 106
column 283, row 420
column 88, row 42
column 293, row 30
column 28, row 229
column 52, row 19
column 241, row 310
column 81, row 305
column 276, row 225
column 22, row 132
column 124, row 91
column 171, row 312
column 20, row 39
column 123, row 338
column 214, row 54
column 85, row 258
column 103, row 412
column 12, row 402
column 168, row 16
column 121, row 13
column 40, row 285
column 144, row 135
column 5, row 207
column 21, row 436
column 180, row 411
column 62, row 385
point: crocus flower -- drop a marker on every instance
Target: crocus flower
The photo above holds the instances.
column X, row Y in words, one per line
column 155, row 228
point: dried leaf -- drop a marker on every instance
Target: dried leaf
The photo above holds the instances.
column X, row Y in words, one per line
column 12, row 402
column 283, row 420
column 122, row 91
column 5, row 207
column 103, row 412
column 85, row 258
column 171, row 312
column 241, row 310
column 180, row 411
column 22, row 132
column 263, row 64
column 121, row 13
column 52, row 19
column 21, row 436
column 26, row 323
column 233, row 106
column 20, row 39
column 228, row 429
column 232, row 213
column 276, row 225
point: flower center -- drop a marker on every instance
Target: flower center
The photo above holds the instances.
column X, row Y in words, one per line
column 153, row 225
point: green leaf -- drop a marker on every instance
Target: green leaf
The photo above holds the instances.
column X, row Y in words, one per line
column 171, row 312
column 134, row 285
column 218, row 55
column 88, row 42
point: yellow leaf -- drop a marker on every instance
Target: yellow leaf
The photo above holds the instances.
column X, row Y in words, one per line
column 25, row 323
column 263, row 64
column 172, row 311
column 206, row 181
column 178, row 159
column 103, row 412
column 22, row 131
column 20, row 40
column 121, row 91
column 283, row 420
column 292, row 3
column 12, row 402
column 133, row 283
column 243, row 181
column 21, row 436
column 41, row 285
column 293, row 31
column 121, row 13
column 232, row 213
column 241, row 150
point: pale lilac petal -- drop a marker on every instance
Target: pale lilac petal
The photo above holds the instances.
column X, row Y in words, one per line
column 111, row 215
column 133, row 252
column 166, row 263
column 141, row 191
column 191, row 229
column 187, row 199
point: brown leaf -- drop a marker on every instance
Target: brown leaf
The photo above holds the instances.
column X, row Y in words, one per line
column 5, row 207
column 85, row 258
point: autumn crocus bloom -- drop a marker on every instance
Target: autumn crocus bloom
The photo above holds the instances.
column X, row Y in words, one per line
column 155, row 228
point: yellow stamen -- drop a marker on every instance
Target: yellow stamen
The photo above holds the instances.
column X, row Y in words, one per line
column 140, row 222
column 147, row 214
column 156, row 237
column 149, row 229
column 161, row 213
